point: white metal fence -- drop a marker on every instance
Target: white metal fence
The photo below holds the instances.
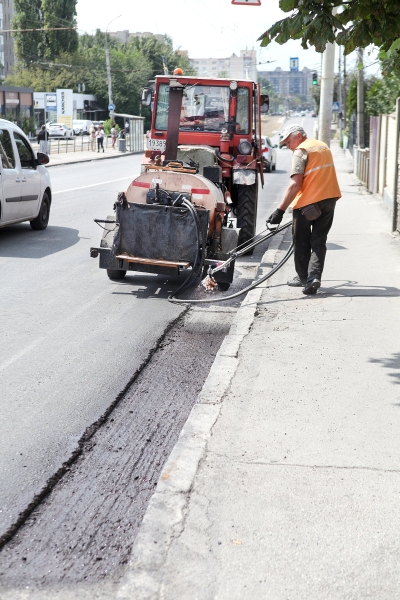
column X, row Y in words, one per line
column 378, row 167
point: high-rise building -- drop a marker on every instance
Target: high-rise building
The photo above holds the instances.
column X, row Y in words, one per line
column 290, row 83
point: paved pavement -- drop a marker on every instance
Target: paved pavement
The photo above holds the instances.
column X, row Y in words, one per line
column 285, row 481
column 68, row 156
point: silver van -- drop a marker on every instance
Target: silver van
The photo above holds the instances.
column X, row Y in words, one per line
column 81, row 126
column 25, row 188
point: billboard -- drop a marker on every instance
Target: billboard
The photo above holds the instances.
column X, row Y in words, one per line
column 65, row 107
column 294, row 64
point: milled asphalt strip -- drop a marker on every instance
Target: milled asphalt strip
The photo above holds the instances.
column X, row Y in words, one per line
column 165, row 516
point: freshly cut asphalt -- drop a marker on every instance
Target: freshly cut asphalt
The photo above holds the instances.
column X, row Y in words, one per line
column 82, row 533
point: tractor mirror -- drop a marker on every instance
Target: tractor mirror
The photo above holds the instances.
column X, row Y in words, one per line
column 264, row 101
column 146, row 96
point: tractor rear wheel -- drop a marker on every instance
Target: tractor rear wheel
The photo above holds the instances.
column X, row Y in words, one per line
column 116, row 273
column 246, row 211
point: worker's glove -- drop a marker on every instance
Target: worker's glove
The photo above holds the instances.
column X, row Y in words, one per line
column 276, row 217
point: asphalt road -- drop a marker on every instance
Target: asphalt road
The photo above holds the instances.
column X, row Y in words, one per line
column 72, row 339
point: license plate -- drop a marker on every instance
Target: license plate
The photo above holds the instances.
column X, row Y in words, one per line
column 156, row 144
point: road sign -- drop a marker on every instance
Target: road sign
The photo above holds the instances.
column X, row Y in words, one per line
column 111, row 107
column 247, row 2
column 335, row 106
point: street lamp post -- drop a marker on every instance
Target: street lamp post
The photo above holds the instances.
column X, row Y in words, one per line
column 110, row 96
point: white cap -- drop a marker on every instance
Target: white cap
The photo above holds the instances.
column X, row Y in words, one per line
column 291, row 129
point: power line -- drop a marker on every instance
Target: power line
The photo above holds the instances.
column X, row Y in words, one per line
column 39, row 29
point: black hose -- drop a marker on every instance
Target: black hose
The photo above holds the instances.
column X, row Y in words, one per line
column 247, row 289
column 197, row 264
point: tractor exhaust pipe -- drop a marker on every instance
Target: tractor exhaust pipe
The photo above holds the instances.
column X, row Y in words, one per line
column 174, row 118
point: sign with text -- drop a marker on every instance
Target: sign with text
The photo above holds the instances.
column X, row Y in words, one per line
column 51, row 102
column 65, row 107
column 294, row 64
column 247, row 2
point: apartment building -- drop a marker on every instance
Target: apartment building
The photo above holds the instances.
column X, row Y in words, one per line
column 125, row 35
column 243, row 66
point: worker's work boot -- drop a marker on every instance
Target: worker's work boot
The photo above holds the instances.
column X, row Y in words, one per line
column 297, row 282
column 312, row 286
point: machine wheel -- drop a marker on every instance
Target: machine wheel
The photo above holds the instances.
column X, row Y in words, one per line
column 268, row 167
column 223, row 286
column 274, row 167
column 246, row 211
column 116, row 273
column 42, row 219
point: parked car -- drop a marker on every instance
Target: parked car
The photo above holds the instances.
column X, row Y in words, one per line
column 25, row 189
column 59, row 130
column 268, row 154
column 81, row 126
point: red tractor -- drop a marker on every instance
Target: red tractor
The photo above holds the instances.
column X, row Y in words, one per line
column 202, row 162
column 218, row 125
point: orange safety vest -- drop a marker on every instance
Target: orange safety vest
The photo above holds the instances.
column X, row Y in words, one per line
column 320, row 181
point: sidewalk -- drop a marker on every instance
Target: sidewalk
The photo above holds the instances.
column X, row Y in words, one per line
column 69, row 158
column 285, row 482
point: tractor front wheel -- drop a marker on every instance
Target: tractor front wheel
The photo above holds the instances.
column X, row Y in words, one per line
column 246, row 212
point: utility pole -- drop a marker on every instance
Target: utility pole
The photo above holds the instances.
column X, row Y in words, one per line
column 340, row 95
column 360, row 101
column 110, row 95
column 325, row 103
column 344, row 93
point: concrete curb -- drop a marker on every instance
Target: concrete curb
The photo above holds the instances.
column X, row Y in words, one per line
column 85, row 160
column 165, row 516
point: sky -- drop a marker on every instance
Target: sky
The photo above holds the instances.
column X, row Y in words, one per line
column 205, row 28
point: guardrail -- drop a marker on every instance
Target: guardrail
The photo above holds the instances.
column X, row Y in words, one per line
column 134, row 142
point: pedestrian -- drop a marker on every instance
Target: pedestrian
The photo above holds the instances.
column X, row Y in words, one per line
column 42, row 140
column 100, row 138
column 126, row 127
column 313, row 193
column 92, row 133
column 113, row 136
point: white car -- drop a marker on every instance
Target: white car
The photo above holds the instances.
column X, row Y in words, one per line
column 25, row 189
column 268, row 154
column 60, row 130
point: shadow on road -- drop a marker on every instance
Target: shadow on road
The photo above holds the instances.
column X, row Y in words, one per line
column 20, row 241
column 392, row 362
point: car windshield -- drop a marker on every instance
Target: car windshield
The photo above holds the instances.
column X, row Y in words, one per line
column 204, row 108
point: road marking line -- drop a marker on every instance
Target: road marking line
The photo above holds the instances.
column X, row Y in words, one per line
column 91, row 185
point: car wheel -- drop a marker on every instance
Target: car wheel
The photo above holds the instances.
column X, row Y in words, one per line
column 268, row 167
column 42, row 219
column 274, row 167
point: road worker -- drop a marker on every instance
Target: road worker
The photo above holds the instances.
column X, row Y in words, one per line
column 313, row 193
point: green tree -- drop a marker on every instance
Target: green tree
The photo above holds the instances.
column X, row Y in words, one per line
column 28, row 44
column 154, row 49
column 381, row 98
column 59, row 13
column 359, row 24
column 44, row 15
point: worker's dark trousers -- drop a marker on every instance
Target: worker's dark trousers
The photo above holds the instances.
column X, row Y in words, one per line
column 309, row 239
